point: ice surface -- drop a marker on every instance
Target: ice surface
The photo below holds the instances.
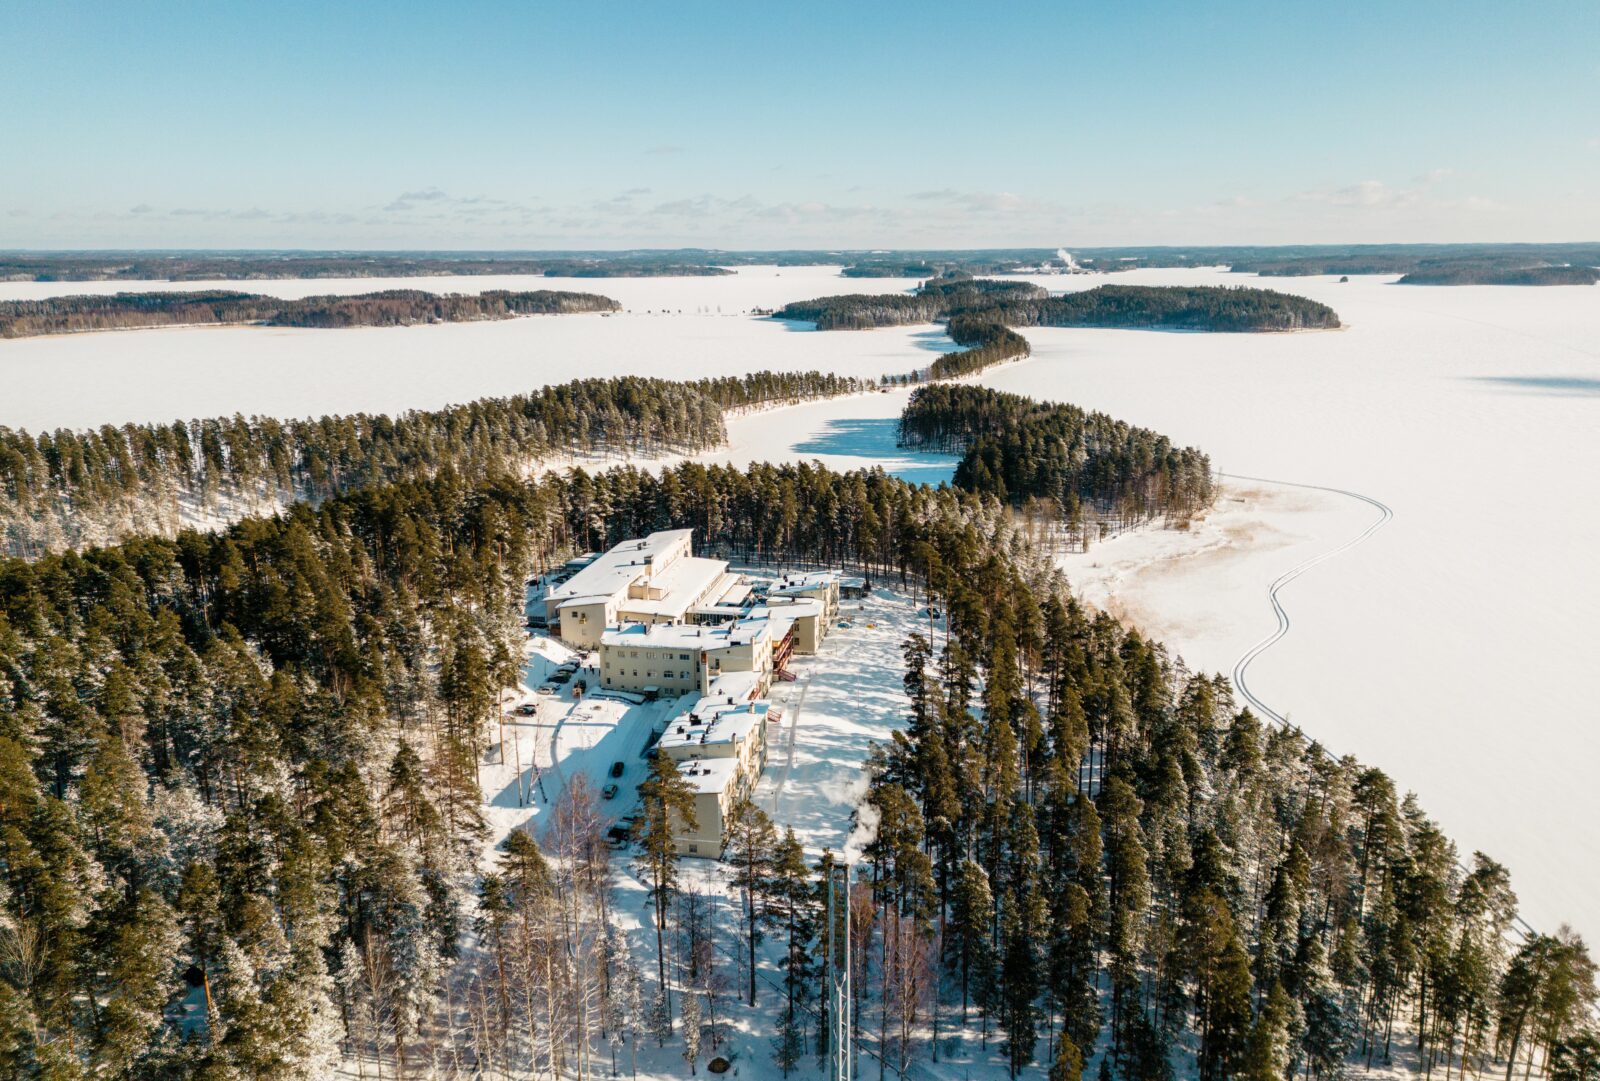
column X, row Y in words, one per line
column 673, row 328
column 1456, row 647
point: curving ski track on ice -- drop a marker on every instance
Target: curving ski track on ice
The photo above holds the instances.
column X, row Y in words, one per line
column 1521, row 926
column 1244, row 662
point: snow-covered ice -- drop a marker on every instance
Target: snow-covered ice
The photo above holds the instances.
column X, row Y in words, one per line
column 672, row 328
column 1454, row 648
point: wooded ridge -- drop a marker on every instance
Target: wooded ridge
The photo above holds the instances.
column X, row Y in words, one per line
column 1021, row 304
column 1087, row 465
column 1493, row 275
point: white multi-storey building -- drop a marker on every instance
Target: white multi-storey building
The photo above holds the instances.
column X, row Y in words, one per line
column 656, row 579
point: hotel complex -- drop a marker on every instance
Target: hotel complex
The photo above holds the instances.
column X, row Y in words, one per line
column 670, row 624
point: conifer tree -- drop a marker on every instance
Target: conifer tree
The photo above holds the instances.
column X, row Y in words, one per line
column 666, row 806
column 750, row 843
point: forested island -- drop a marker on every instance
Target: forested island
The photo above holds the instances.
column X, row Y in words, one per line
column 65, row 489
column 394, row 307
column 234, row 266
column 1083, row 469
column 1489, row 275
column 1015, row 303
column 240, row 770
column 933, row 301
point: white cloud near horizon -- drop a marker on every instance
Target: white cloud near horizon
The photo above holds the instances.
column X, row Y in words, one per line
column 1426, row 207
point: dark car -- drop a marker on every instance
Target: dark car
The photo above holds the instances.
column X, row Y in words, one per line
column 616, row 769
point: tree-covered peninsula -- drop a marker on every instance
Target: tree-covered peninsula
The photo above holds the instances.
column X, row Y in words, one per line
column 240, row 773
column 66, row 489
column 1088, row 468
column 394, row 307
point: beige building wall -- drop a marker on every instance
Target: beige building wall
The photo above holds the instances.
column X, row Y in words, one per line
column 633, row 668
column 706, row 841
column 711, row 808
column 583, row 624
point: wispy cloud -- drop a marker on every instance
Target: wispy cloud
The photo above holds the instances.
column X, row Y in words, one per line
column 406, row 200
column 1380, row 194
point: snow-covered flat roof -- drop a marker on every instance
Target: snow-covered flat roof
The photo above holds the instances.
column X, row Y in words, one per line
column 802, row 582
column 687, row 635
column 682, row 582
column 616, row 569
column 737, row 593
column 790, row 608
column 718, row 723
column 707, row 775
column 731, row 687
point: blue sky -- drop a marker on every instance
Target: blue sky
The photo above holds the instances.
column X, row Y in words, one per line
column 522, row 125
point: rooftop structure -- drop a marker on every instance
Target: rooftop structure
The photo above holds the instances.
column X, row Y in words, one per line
column 819, row 586
column 715, row 726
column 655, row 579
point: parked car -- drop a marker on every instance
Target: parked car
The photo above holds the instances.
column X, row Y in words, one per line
column 528, row 709
column 617, row 836
column 609, row 792
column 579, row 687
column 547, row 689
column 616, row 769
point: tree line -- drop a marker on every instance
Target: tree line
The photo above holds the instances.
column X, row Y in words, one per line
column 1089, row 467
column 214, row 266
column 1173, row 307
column 987, row 344
column 65, row 488
column 1503, row 275
column 394, row 307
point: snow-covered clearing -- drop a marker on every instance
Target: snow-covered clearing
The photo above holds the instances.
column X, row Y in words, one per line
column 845, row 697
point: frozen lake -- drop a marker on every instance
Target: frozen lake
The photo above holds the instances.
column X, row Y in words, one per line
column 674, row 328
column 1455, row 648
